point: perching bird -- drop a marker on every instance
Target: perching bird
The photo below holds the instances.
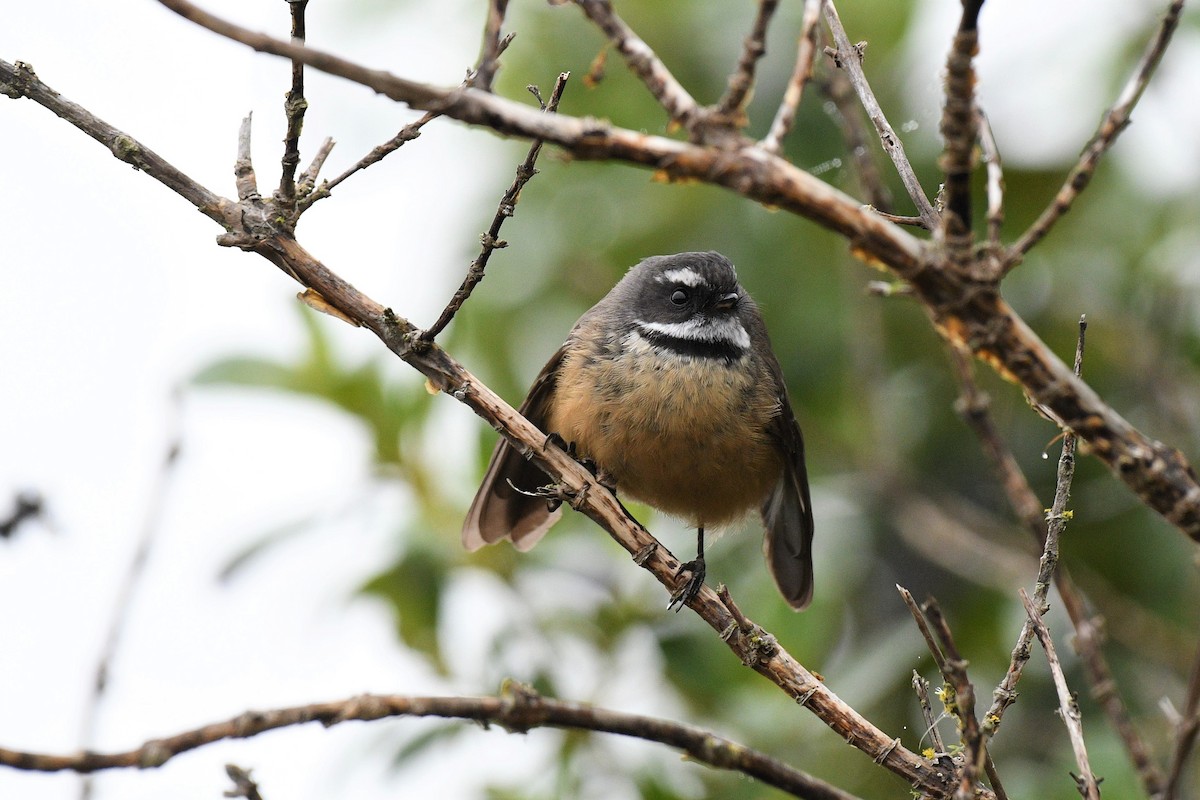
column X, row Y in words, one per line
column 670, row 388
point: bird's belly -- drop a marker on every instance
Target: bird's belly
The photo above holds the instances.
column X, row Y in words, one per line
column 688, row 436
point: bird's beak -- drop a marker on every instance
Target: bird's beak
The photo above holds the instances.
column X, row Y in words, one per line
column 727, row 301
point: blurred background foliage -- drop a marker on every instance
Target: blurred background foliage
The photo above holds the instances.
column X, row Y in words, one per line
column 902, row 492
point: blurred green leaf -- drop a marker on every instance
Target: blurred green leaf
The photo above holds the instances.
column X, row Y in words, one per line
column 413, row 586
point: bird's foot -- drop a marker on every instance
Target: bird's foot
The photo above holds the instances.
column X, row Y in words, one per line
column 690, row 586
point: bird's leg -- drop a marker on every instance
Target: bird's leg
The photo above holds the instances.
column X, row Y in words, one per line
column 695, row 569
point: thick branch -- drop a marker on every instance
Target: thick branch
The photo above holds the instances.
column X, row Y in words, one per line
column 518, row 709
column 249, row 225
column 966, row 312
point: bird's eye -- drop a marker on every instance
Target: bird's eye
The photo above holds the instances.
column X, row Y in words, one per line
column 679, row 297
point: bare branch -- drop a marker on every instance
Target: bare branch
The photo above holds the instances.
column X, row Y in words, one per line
column 243, row 784
column 491, row 240
column 995, row 179
column 959, row 132
column 1088, row 630
column 921, row 687
column 785, row 117
column 669, row 92
column 1086, row 781
column 493, row 46
column 955, row 671
column 963, row 309
column 847, row 114
column 406, row 134
column 1185, row 735
column 26, row 506
column 1111, row 126
column 518, row 709
column 731, row 107
column 294, row 106
column 849, row 58
column 1056, row 518
column 134, row 575
column 308, row 178
column 249, row 226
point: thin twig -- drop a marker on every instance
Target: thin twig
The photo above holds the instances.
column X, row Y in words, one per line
column 493, row 45
column 243, row 169
column 966, row 309
column 731, row 107
column 680, row 106
column 963, row 704
column 849, row 58
column 294, row 106
column 517, row 709
column 973, row 405
column 308, row 178
column 995, row 178
column 1185, row 735
column 847, row 113
column 921, row 687
column 919, row 617
column 490, row 53
column 940, row 642
column 26, row 506
column 959, row 131
column 243, row 784
column 508, row 204
column 1114, row 122
column 1056, row 522
column 406, row 134
column 248, row 226
column 1068, row 707
column 134, row 575
column 785, row 116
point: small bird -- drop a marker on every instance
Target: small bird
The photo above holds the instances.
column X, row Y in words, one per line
column 669, row 387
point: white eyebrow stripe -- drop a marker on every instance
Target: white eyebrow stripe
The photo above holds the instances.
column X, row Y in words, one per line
column 685, row 275
column 722, row 330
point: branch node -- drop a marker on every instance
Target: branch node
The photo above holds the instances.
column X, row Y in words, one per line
column 887, row 751
column 641, row 556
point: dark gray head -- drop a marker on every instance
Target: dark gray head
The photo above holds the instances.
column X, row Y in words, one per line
column 688, row 303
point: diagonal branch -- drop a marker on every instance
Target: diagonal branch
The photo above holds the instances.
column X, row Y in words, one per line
column 491, row 239
column 1185, row 735
column 517, row 709
column 249, row 227
column 973, row 406
column 1114, row 122
column 785, row 117
column 965, row 311
column 493, row 45
column 731, row 106
column 1069, row 709
column 849, row 58
column 669, row 92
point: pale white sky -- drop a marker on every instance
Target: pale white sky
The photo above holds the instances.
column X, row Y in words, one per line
column 114, row 294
